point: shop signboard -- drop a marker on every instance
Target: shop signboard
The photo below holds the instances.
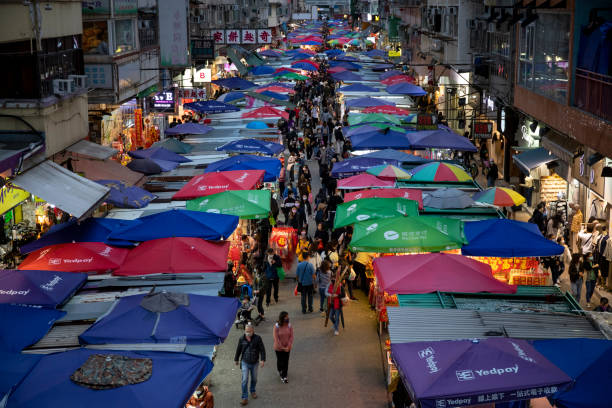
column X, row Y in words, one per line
column 232, row 36
column 99, row 76
column 426, row 122
column 249, row 36
column 10, row 197
column 218, row 36
column 264, row 36
column 483, row 130
column 202, row 49
column 203, row 75
column 138, row 125
column 589, row 175
column 173, row 39
column 96, row 6
column 193, row 93
column 393, row 53
column 125, row 6
column 163, row 101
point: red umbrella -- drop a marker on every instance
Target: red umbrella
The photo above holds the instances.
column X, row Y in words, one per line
column 427, row 273
column 284, row 69
column 275, row 88
column 307, row 51
column 314, row 64
column 176, row 255
column 334, row 70
column 265, row 112
column 396, row 79
column 388, row 109
column 96, row 257
column 217, row 182
column 408, row 193
column 311, row 38
column 364, row 180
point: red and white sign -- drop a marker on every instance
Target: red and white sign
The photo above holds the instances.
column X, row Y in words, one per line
column 249, row 36
column 232, row 36
column 203, row 75
column 218, row 36
column 193, row 93
column 264, row 36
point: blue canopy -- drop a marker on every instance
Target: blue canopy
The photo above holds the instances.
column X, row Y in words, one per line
column 262, row 70
column 159, row 153
column 174, row 378
column 358, row 88
column 40, row 288
column 380, row 140
column 257, row 124
column 174, row 145
column 367, row 101
column 360, row 128
column 304, row 66
column 205, row 320
column 391, row 154
column 348, row 58
column 507, row 238
column 252, row 146
column 283, row 84
column 311, row 42
column 88, row 230
column 276, row 95
column 177, row 223
column 23, row 326
column 346, row 76
column 530, row 159
column 227, row 98
column 123, row 196
column 334, row 52
column 376, row 53
column 356, row 165
column 388, row 74
column 300, row 55
column 270, row 53
column 151, row 166
column 588, row 362
column 234, row 83
column 271, row 165
column 351, row 66
column 440, row 139
column 404, row 88
column 14, row 368
column 189, row 128
column 214, row 106
column 382, row 67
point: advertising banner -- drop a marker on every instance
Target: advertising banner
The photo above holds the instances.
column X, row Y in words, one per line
column 173, row 38
column 218, row 36
column 264, row 36
column 249, row 36
column 232, row 36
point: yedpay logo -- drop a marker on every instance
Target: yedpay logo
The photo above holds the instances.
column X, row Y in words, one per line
column 521, row 353
column 362, row 217
column 429, row 355
column 242, row 178
column 391, row 235
column 49, row 286
column 372, row 228
column 351, row 208
column 13, row 292
column 467, row 375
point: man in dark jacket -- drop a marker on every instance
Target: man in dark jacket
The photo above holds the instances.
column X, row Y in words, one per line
column 271, row 263
column 248, row 353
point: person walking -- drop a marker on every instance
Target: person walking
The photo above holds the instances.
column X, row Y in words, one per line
column 283, row 342
column 335, row 293
column 306, row 277
column 590, row 273
column 271, row 263
column 323, row 280
column 250, row 353
column 576, row 275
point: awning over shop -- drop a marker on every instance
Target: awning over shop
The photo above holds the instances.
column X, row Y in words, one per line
column 561, row 146
column 530, row 159
column 90, row 149
column 68, row 191
column 94, row 169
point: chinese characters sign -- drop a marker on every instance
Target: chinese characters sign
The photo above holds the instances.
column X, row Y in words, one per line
column 237, row 36
column 483, row 130
column 218, row 36
column 232, row 36
column 426, row 122
column 163, row 101
column 202, row 49
column 249, row 36
column 174, row 47
column 264, row 36
column 193, row 93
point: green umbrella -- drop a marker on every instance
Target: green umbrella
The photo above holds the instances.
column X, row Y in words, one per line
column 270, row 99
column 291, row 75
column 408, row 234
column 374, row 209
column 356, row 118
column 246, row 204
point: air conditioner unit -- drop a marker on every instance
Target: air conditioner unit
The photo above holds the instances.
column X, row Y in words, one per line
column 80, row 81
column 63, row 86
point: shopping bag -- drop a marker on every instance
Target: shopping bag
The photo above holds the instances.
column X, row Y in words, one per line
column 352, row 275
column 295, row 291
column 280, row 272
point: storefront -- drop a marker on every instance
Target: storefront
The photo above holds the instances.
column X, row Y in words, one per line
column 588, row 187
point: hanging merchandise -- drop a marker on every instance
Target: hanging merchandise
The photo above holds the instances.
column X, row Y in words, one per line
column 284, row 240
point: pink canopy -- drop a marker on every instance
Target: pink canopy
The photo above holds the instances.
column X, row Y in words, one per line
column 265, row 112
column 426, row 273
column 409, row 193
column 334, row 70
column 364, row 180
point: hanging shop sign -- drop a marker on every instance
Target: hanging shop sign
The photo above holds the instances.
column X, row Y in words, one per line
column 202, row 49
column 232, row 36
column 125, row 6
column 138, row 127
column 203, row 75
column 589, row 175
column 173, row 44
column 193, row 93
column 218, row 36
column 249, row 36
column 264, row 36
column 163, row 101
column 238, row 36
column 393, row 53
column 96, row 6
column 10, row 197
column 483, row 130
column 426, row 122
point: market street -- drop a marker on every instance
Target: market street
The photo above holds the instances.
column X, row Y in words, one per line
column 324, row 370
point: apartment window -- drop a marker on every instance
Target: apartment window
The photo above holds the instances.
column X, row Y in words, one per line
column 544, row 56
column 124, row 36
column 500, row 44
column 95, row 37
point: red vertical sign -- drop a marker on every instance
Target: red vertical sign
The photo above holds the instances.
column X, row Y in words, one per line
column 138, row 126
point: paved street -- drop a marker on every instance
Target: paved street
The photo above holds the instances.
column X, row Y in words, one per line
column 324, row 370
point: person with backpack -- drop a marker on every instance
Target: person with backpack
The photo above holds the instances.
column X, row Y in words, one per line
column 249, row 353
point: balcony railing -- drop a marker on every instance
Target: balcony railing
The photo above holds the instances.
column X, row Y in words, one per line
column 147, row 37
column 593, row 93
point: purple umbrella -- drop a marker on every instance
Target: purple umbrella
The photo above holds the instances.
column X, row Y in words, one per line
column 376, row 54
column 470, row 372
column 189, row 129
column 150, row 166
column 356, row 165
column 366, row 102
column 440, row 139
column 388, row 74
column 41, row 288
column 346, row 76
column 382, row 67
column 404, row 88
column 159, row 153
column 124, row 196
column 358, row 88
